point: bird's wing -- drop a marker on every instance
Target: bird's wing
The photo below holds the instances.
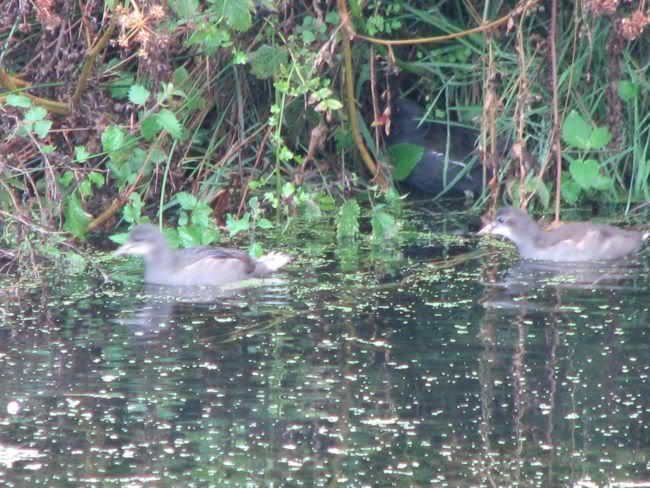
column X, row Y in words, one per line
column 577, row 235
column 597, row 241
column 217, row 257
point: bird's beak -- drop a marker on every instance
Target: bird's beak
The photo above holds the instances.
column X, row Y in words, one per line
column 123, row 249
column 138, row 248
column 488, row 229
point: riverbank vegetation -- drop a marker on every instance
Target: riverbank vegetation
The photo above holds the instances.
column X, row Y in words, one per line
column 228, row 119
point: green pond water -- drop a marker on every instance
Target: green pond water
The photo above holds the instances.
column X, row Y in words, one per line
column 439, row 360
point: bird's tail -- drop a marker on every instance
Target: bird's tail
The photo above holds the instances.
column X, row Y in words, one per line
column 271, row 262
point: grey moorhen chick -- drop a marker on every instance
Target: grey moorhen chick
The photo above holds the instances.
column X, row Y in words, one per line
column 197, row 265
column 458, row 144
column 573, row 242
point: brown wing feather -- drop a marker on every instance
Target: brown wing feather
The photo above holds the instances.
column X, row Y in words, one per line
column 195, row 255
column 574, row 233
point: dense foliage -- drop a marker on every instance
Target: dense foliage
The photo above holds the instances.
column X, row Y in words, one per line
column 231, row 115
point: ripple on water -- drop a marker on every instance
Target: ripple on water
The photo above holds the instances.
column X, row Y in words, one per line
column 436, row 360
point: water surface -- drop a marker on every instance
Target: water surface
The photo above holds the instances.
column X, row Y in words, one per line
column 436, row 360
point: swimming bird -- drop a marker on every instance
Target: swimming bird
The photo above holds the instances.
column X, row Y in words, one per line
column 196, row 265
column 462, row 173
column 578, row 241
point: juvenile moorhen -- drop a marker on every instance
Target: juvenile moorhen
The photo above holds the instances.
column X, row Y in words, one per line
column 197, row 265
column 458, row 144
column 579, row 241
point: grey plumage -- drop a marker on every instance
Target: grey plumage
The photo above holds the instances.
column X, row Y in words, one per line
column 197, row 265
column 579, row 241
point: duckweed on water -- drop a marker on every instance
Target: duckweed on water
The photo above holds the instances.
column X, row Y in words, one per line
column 457, row 374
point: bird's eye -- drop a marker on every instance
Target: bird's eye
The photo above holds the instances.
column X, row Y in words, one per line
column 501, row 219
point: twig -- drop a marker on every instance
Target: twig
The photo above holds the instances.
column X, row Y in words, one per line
column 16, row 84
column 90, row 61
column 350, row 101
column 21, row 219
column 427, row 40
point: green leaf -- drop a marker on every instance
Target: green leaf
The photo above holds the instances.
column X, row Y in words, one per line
column 181, row 75
column 308, row 36
column 256, row 250
column 157, row 155
column 66, row 178
column 570, row 190
column 126, row 171
column 120, row 88
column 42, row 128
column 133, row 209
column 234, row 226
column 576, row 131
column 272, row 199
column 172, row 237
column 120, row 238
column 347, row 220
column 20, row 101
column 76, row 218
column 254, row 204
column 35, row 114
column 600, row 137
column 138, row 94
column 583, row 172
column 384, row 226
column 288, row 189
column 326, row 201
column 96, row 179
column 209, row 236
column 268, row 61
column 236, row 12
column 201, row 215
column 85, row 188
column 168, row 121
column 627, row 90
column 332, row 17
column 189, row 236
column 149, row 127
column 184, row 9
column 131, row 214
column 285, row 154
column 187, row 200
column 586, row 173
column 112, row 138
column 239, row 57
column 405, row 158
column 210, row 37
column 81, row 154
column 602, row 182
column 328, row 104
column 264, row 224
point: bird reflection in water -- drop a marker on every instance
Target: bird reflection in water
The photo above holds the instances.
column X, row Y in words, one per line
column 164, row 308
column 519, row 288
